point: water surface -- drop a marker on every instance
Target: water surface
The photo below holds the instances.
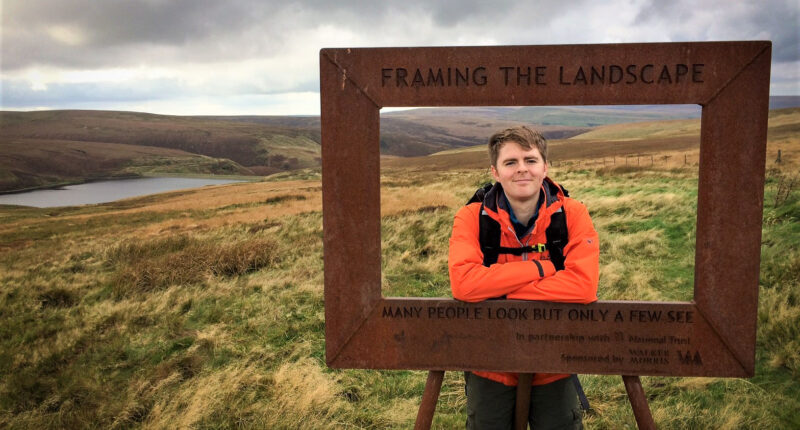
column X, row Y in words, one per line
column 105, row 191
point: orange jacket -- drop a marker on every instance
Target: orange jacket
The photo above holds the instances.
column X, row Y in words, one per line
column 518, row 277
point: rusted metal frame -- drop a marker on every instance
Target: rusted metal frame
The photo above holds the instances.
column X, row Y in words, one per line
column 355, row 60
column 702, row 304
column 346, row 191
column 765, row 51
column 446, row 344
column 641, row 410
column 523, row 401
column 735, row 163
column 345, row 78
column 709, row 147
column 433, row 385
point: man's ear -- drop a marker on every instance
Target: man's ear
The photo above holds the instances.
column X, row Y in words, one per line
column 494, row 174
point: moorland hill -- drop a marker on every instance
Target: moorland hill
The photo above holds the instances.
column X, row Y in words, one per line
column 46, row 148
column 673, row 142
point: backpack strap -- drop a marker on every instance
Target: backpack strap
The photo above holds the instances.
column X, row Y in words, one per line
column 489, row 237
column 581, row 394
column 489, row 229
column 480, row 194
column 557, row 238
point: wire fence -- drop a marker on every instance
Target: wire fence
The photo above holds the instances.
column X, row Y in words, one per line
column 632, row 160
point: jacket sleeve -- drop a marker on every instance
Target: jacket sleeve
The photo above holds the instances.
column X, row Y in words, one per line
column 577, row 283
column 470, row 280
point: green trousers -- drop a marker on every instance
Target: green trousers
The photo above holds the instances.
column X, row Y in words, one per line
column 490, row 405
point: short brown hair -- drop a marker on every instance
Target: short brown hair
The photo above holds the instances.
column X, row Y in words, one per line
column 526, row 137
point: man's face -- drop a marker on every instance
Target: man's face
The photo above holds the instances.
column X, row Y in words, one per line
column 519, row 171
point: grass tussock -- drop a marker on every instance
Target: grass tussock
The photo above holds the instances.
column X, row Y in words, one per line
column 302, row 390
column 205, row 309
column 142, row 267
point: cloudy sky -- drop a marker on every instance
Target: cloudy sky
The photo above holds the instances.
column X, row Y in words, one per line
column 257, row 57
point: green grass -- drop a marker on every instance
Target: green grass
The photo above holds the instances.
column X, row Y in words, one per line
column 109, row 320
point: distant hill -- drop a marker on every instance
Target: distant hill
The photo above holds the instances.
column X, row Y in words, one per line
column 571, row 118
column 44, row 148
column 423, row 131
column 444, row 128
column 552, row 118
column 783, row 123
column 33, row 163
column 592, row 116
column 653, row 137
column 261, row 148
column 782, row 102
column 49, row 147
column 52, row 147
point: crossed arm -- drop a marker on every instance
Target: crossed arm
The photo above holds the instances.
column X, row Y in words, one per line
column 471, row 281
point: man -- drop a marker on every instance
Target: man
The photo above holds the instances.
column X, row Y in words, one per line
column 522, row 201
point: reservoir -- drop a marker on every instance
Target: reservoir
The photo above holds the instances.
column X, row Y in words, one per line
column 105, row 191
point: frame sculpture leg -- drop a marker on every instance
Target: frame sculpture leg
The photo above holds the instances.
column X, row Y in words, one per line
column 429, row 398
column 523, row 401
column 641, row 410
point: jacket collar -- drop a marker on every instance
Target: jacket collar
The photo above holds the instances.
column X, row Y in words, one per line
column 552, row 193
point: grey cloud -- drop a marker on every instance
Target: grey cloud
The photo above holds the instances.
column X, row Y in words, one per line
column 122, row 33
column 781, row 21
column 126, row 22
column 444, row 12
column 452, row 12
column 166, row 33
column 776, row 20
column 126, row 32
column 653, row 10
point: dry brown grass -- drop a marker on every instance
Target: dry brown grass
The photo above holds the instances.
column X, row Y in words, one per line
column 304, row 392
column 207, row 396
column 407, row 199
column 237, row 342
column 649, row 130
column 144, row 266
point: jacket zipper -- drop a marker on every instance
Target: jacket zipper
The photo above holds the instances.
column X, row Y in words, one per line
column 521, row 245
